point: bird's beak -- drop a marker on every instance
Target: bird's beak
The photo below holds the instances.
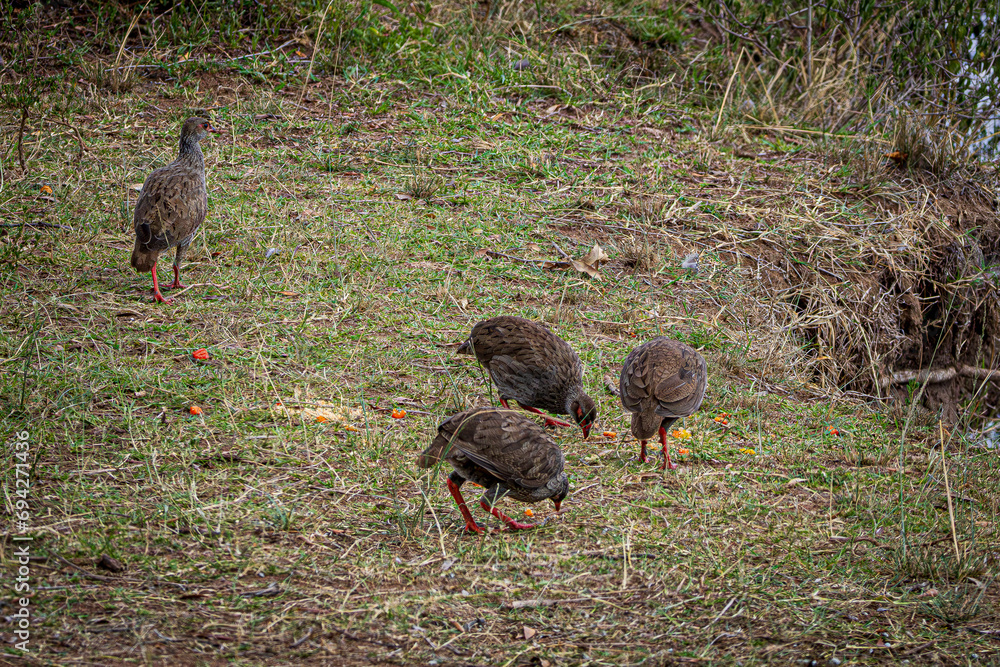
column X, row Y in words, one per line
column 586, row 432
column 556, row 503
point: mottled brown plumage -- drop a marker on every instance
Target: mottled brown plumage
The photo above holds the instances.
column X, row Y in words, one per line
column 505, row 453
column 171, row 206
column 662, row 381
column 533, row 366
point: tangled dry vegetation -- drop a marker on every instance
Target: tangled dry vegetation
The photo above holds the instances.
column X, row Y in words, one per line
column 360, row 224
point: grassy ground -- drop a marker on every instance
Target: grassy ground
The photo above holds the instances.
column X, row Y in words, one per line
column 287, row 523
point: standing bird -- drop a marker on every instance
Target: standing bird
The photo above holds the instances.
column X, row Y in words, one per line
column 533, row 366
column 505, row 453
column 171, row 206
column 662, row 381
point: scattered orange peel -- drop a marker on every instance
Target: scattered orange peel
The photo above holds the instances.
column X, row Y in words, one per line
column 832, row 430
column 528, row 512
column 683, row 450
column 398, row 414
column 747, row 450
column 46, row 190
column 681, row 434
column 200, row 353
column 321, row 418
column 195, row 410
column 610, row 434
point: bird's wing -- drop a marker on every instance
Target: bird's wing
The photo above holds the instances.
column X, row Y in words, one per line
column 171, row 205
column 510, row 447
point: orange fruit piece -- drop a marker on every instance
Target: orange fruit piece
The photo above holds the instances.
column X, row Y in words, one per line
column 683, row 450
column 200, row 353
column 320, row 418
column 528, row 512
column 46, row 190
column 195, row 410
column 610, row 434
column 398, row 414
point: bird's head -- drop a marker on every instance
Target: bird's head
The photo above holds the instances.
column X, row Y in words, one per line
column 195, row 129
column 560, row 488
column 584, row 411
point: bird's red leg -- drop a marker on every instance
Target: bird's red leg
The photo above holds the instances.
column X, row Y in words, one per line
column 549, row 421
column 642, row 453
column 667, row 463
column 503, row 402
column 470, row 523
column 177, row 279
column 514, row 525
column 156, row 288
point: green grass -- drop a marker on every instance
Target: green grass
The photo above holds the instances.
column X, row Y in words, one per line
column 254, row 534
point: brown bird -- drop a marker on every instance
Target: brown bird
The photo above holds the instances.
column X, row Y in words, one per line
column 662, row 381
column 505, row 453
column 171, row 206
column 533, row 366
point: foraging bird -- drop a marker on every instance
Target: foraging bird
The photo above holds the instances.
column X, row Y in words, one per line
column 533, row 366
column 505, row 453
column 171, row 206
column 662, row 381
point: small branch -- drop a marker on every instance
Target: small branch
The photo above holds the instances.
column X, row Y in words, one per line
column 36, row 223
column 937, row 375
column 79, row 137
column 20, row 138
column 89, row 575
column 302, row 639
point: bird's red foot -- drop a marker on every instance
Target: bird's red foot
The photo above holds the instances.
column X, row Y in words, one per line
column 159, row 297
column 473, row 528
column 667, row 463
column 175, row 285
column 511, row 523
column 549, row 421
column 517, row 525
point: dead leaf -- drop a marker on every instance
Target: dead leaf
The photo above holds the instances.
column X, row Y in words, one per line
column 589, row 263
column 795, row 481
column 403, row 197
column 529, row 633
column 136, row 186
column 283, row 292
column 533, row 247
column 899, row 157
column 481, row 252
